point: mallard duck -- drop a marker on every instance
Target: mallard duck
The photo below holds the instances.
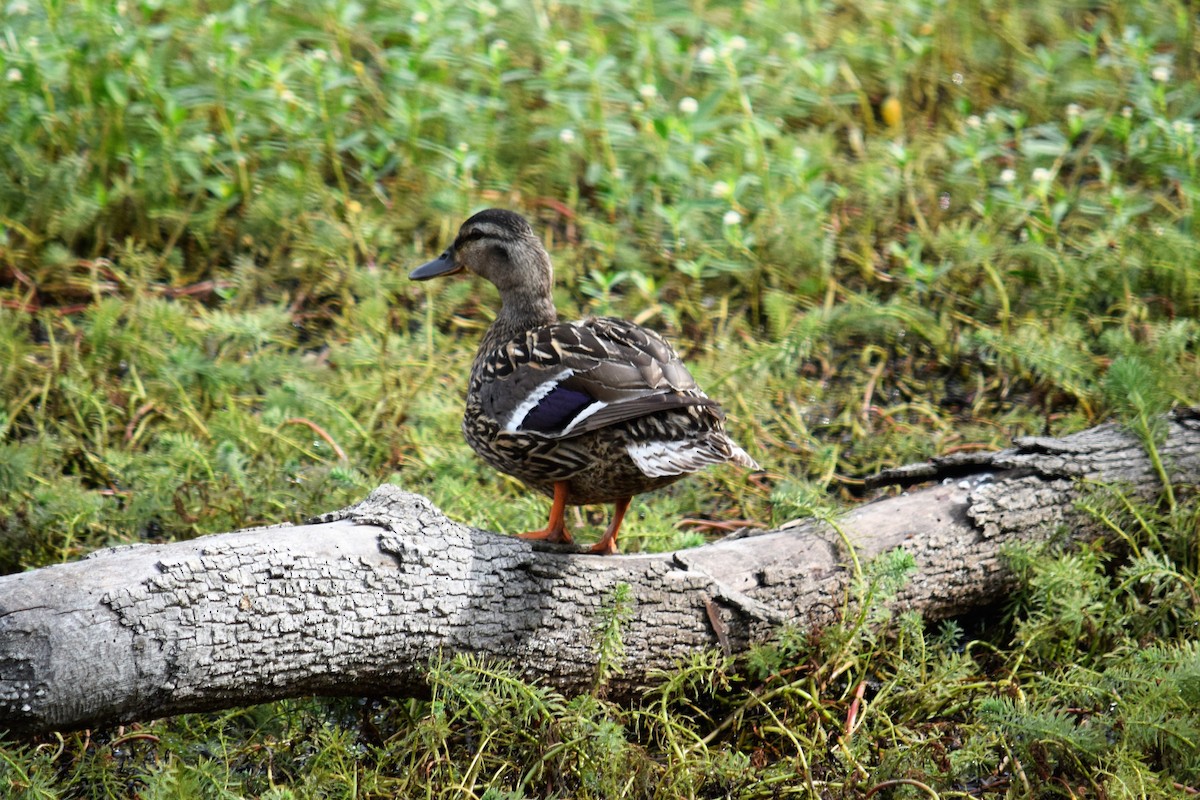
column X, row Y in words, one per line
column 593, row 411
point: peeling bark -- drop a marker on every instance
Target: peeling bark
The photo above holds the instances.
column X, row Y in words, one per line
column 359, row 601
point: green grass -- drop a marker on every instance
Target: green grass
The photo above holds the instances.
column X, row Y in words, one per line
column 878, row 231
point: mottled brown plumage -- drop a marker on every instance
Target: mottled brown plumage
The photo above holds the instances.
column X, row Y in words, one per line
column 593, row 411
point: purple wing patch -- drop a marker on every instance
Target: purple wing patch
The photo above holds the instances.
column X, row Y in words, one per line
column 556, row 410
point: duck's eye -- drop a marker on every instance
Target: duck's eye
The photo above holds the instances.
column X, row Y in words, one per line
column 500, row 252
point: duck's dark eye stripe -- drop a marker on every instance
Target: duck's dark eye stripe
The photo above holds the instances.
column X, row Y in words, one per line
column 471, row 236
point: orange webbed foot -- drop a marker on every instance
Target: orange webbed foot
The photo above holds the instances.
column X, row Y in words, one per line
column 548, row 534
column 607, row 546
column 556, row 529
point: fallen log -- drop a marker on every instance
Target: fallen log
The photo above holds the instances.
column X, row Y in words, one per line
column 359, row 601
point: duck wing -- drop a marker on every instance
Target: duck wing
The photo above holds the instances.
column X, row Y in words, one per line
column 567, row 379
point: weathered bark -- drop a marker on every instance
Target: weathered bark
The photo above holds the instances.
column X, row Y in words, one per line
column 359, row 601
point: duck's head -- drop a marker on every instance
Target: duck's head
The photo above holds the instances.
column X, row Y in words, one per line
column 498, row 245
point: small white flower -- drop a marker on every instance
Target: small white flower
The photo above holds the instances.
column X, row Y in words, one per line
column 1162, row 74
column 957, row 78
column 203, row 143
column 720, row 189
column 566, row 136
column 13, row 75
column 731, row 217
column 1184, row 127
column 648, row 91
column 562, row 47
column 287, row 95
column 463, row 147
column 320, row 55
column 420, row 17
column 487, row 9
column 974, row 121
column 793, row 40
column 500, row 45
column 707, row 56
column 1042, row 175
column 799, row 154
column 1074, row 111
column 1008, row 175
column 689, row 105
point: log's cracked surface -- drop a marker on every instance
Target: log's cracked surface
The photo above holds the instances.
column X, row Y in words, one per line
column 360, row 601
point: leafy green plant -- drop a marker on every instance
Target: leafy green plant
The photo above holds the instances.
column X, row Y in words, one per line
column 1134, row 392
column 610, row 644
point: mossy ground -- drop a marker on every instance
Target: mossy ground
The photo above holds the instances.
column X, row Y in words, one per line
column 878, row 231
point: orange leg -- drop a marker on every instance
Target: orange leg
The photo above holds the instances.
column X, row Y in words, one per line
column 556, row 529
column 607, row 546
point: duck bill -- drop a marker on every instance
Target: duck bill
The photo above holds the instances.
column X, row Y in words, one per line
column 442, row 265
